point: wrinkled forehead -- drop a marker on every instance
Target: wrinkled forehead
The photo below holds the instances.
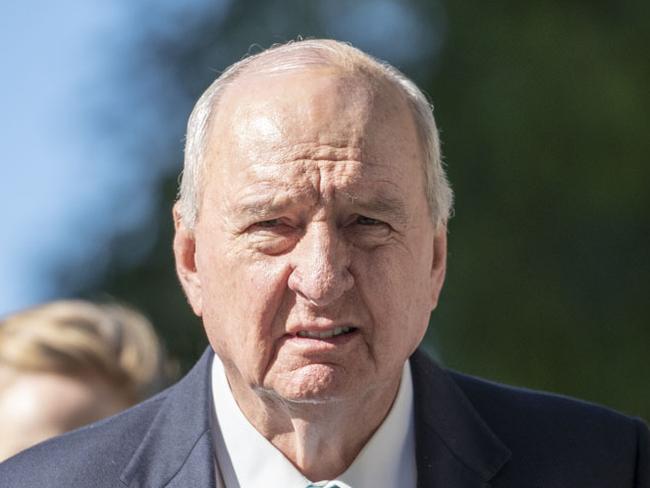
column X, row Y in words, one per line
column 272, row 113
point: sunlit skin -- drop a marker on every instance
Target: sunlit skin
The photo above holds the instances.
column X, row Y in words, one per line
column 35, row 406
column 313, row 216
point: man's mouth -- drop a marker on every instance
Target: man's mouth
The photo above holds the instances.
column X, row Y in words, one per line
column 327, row 334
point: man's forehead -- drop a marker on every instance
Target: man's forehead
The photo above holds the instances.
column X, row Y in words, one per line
column 283, row 127
column 320, row 106
column 315, row 93
column 299, row 92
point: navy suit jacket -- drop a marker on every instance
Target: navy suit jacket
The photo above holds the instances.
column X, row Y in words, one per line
column 470, row 433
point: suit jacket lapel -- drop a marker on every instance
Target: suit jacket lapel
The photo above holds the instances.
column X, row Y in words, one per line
column 454, row 446
column 178, row 450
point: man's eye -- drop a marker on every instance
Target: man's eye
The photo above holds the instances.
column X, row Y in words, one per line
column 268, row 224
column 361, row 220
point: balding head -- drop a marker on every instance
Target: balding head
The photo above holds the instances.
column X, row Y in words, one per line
column 360, row 69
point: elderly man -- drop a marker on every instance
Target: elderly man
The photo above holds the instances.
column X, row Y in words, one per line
column 311, row 239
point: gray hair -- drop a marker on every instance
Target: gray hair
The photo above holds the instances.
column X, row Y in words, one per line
column 302, row 54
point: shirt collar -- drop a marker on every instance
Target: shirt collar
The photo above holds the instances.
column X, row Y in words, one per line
column 250, row 460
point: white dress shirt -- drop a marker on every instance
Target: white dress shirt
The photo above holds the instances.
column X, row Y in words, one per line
column 246, row 459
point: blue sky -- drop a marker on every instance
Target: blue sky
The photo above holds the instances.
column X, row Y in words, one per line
column 69, row 183
column 57, row 187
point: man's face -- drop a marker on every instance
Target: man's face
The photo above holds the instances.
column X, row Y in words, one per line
column 314, row 261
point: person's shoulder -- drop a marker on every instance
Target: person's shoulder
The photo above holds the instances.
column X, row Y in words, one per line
column 542, row 427
column 505, row 404
column 550, row 438
column 94, row 455
column 513, row 406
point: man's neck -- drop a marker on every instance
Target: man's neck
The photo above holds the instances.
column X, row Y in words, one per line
column 321, row 439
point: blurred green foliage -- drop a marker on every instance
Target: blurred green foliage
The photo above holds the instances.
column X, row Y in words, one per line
column 543, row 108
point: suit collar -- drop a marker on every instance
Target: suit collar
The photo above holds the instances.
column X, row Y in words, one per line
column 454, row 446
column 178, row 450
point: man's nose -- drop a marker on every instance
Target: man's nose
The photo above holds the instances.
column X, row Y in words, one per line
column 321, row 263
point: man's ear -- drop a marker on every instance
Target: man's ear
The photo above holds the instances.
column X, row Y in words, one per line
column 439, row 264
column 185, row 255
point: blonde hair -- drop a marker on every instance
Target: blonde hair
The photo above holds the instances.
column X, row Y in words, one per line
column 82, row 339
column 303, row 54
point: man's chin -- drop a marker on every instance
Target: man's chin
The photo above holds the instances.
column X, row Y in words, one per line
column 311, row 384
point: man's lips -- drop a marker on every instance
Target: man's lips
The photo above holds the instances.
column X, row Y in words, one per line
column 324, row 334
column 320, row 332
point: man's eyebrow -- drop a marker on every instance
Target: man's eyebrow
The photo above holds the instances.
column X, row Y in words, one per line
column 260, row 206
column 382, row 205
